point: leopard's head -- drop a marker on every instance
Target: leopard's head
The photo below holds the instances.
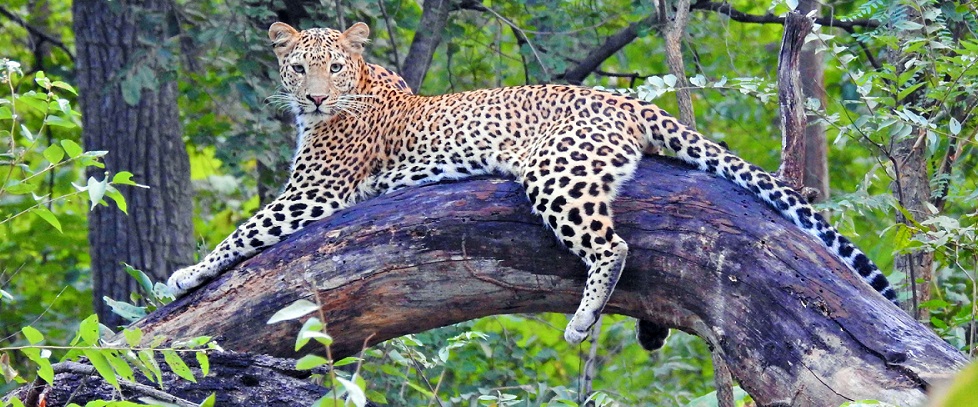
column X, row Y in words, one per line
column 320, row 68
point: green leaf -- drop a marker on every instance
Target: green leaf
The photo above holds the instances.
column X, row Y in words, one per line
column 40, row 358
column 209, row 401
column 120, row 366
column 118, row 198
column 123, row 178
column 65, row 86
column 88, row 330
column 144, row 281
column 33, row 335
column 59, row 121
column 204, row 362
column 312, row 329
column 310, row 362
column 347, row 361
column 102, row 366
column 126, row 310
column 72, row 148
column 35, row 101
column 20, row 188
column 295, row 310
column 146, row 356
column 133, row 336
column 53, row 154
column 44, row 213
column 178, row 366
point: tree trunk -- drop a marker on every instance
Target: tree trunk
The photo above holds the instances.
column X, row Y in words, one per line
column 434, row 16
column 145, row 139
column 791, row 321
column 791, row 100
column 810, row 67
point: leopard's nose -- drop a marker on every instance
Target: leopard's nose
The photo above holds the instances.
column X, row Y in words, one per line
column 317, row 99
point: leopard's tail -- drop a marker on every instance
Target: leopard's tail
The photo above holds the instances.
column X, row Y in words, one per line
column 665, row 131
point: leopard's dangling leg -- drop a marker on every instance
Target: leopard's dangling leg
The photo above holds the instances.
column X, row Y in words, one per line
column 571, row 180
column 602, row 277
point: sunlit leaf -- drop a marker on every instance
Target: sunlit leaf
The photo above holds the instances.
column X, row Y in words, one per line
column 295, row 310
column 133, row 336
column 204, row 362
column 44, row 213
column 59, row 121
column 178, row 366
column 32, row 335
column 102, row 366
column 53, row 154
column 65, row 86
column 310, row 362
column 209, row 401
column 72, row 148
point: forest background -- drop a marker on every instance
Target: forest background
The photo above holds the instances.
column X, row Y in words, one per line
column 890, row 97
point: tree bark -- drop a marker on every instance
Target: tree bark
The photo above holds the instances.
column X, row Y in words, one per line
column 145, row 139
column 790, row 320
column 810, row 67
column 673, row 33
column 792, row 101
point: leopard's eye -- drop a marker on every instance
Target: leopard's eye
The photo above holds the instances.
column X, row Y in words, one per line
column 335, row 68
column 298, row 68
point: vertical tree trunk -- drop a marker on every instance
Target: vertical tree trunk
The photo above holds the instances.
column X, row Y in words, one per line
column 156, row 235
column 911, row 187
column 791, row 101
column 816, row 174
column 434, row 16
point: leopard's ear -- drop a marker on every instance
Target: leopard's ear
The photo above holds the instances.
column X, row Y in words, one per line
column 283, row 38
column 354, row 38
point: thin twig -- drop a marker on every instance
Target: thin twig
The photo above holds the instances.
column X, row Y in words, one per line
column 520, row 35
column 390, row 33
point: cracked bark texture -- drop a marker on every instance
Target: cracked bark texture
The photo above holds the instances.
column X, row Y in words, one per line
column 146, row 139
column 793, row 324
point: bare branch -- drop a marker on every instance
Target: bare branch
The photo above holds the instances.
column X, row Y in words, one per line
column 673, row 33
column 792, row 101
column 611, row 45
column 737, row 15
column 36, row 32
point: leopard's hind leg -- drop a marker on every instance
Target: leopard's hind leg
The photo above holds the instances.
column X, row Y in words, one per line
column 571, row 178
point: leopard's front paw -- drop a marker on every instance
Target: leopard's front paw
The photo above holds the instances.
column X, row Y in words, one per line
column 578, row 328
column 184, row 280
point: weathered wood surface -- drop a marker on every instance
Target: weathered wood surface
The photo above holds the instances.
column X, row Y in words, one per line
column 794, row 324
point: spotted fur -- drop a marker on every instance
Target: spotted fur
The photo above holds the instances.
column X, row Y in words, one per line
column 361, row 134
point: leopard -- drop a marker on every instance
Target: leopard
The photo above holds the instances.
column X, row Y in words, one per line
column 363, row 133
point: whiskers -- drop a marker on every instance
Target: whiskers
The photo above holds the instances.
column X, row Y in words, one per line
column 353, row 105
column 282, row 101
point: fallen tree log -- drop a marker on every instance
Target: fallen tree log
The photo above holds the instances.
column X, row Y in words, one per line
column 793, row 324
